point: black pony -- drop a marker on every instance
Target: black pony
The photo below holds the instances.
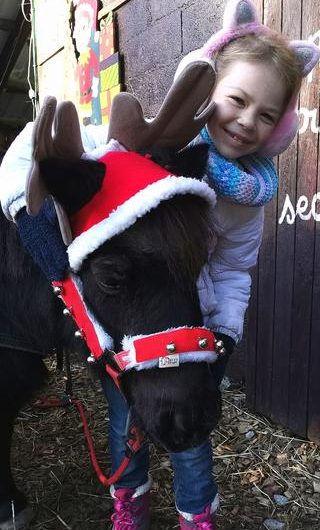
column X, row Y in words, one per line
column 141, row 281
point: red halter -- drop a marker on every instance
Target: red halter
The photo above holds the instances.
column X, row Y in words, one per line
column 166, row 349
column 163, row 349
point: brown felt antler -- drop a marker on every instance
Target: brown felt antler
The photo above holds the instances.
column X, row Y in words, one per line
column 178, row 120
column 63, row 142
column 56, row 133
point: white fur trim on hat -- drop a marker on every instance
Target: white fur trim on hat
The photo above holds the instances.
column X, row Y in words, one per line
column 101, row 150
column 134, row 208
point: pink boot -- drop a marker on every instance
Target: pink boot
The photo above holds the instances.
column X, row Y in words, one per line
column 203, row 521
column 131, row 508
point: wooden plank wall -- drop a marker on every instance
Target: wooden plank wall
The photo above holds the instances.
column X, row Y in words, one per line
column 283, row 335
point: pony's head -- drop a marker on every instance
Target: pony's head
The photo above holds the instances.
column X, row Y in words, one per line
column 137, row 227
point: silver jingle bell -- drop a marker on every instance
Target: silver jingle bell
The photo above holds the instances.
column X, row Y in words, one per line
column 67, row 312
column 219, row 344
column 57, row 290
column 171, row 347
column 203, row 343
column 222, row 351
column 78, row 334
column 91, row 359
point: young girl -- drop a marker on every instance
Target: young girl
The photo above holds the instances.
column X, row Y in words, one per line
column 258, row 78
column 259, row 75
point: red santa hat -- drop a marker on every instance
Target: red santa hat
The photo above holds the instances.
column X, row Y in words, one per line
column 133, row 185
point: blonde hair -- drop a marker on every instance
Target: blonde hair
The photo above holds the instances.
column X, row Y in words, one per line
column 271, row 49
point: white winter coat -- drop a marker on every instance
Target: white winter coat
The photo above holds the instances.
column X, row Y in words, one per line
column 224, row 283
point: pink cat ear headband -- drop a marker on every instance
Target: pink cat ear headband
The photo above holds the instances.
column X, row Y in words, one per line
column 240, row 18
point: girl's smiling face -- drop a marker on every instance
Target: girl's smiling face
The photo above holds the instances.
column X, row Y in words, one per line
column 250, row 99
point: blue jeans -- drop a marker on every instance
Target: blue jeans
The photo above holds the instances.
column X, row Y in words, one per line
column 194, row 484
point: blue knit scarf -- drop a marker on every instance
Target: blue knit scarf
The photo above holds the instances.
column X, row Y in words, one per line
column 252, row 180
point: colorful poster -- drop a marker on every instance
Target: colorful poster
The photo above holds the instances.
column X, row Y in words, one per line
column 98, row 69
column 110, row 71
column 107, row 37
column 106, row 101
column 86, row 39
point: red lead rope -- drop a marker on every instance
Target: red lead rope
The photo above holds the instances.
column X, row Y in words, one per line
column 133, row 443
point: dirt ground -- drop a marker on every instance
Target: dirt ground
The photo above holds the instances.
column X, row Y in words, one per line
column 267, row 478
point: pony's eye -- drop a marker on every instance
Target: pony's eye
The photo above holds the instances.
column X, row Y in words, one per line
column 110, row 273
column 111, row 283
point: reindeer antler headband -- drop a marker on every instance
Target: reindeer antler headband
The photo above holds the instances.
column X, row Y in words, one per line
column 176, row 124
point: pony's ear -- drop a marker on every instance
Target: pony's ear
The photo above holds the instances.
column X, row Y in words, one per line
column 308, row 54
column 189, row 162
column 238, row 13
column 72, row 182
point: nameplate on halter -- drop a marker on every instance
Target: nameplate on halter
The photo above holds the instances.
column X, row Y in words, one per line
column 169, row 361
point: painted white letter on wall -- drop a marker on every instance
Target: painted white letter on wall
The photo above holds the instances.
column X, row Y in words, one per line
column 309, row 117
column 289, row 212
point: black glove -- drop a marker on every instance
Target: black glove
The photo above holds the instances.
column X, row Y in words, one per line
column 219, row 367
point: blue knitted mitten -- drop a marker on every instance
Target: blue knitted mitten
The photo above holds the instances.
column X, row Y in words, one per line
column 41, row 236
